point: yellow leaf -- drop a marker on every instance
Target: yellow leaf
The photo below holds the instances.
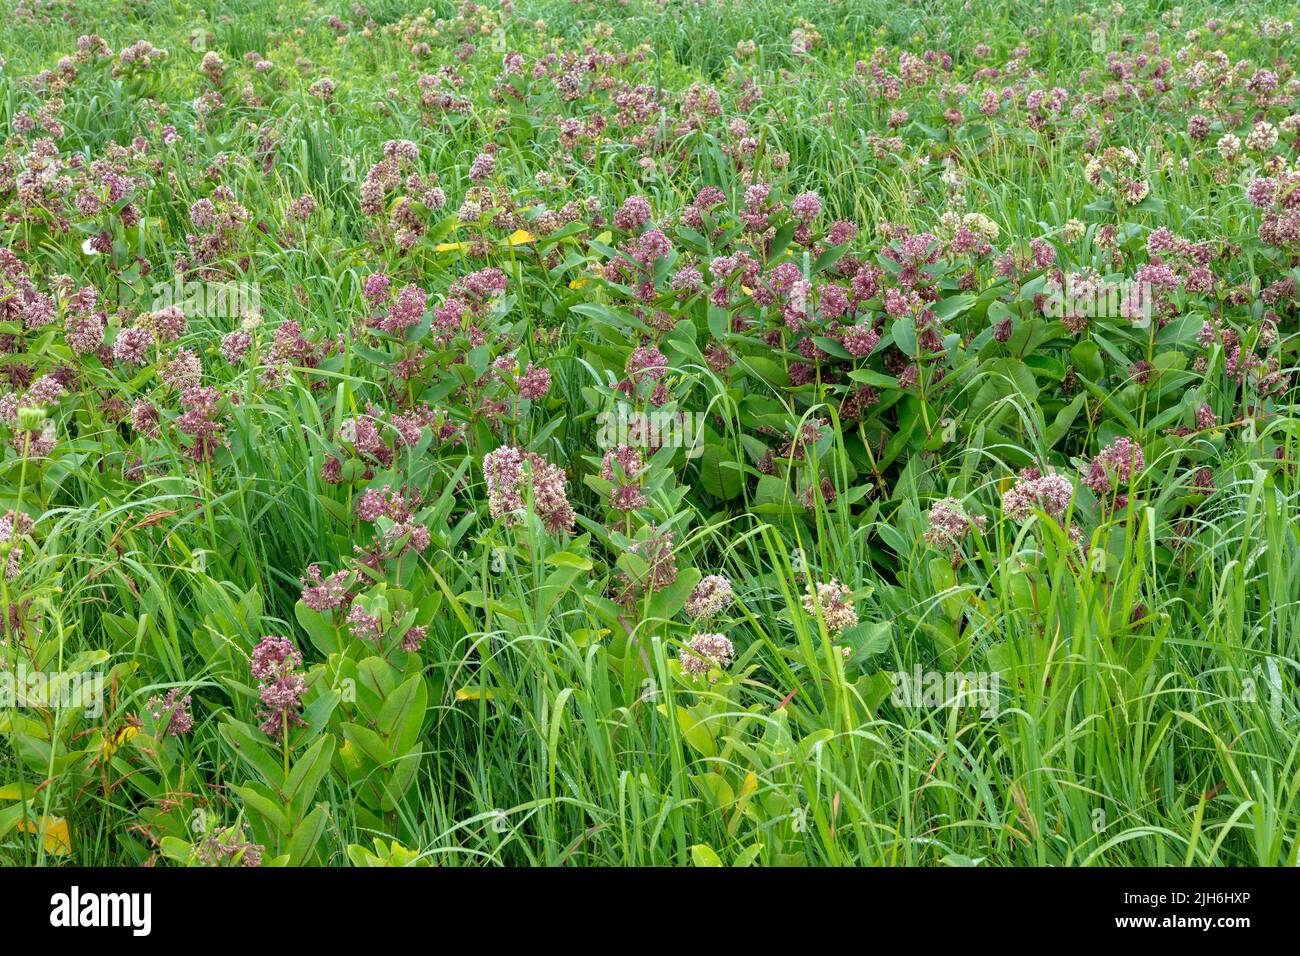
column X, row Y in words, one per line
column 348, row 754
column 473, row 693
column 54, row 833
column 113, row 744
column 748, row 788
column 450, row 246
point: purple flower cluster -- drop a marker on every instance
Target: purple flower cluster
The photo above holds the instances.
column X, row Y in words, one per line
column 1114, row 469
column 274, row 665
column 171, row 713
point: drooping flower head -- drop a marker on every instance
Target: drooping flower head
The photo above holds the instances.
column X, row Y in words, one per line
column 654, row 565
column 171, row 713
column 229, row 846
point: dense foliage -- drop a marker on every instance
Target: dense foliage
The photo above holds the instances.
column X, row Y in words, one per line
column 649, row 433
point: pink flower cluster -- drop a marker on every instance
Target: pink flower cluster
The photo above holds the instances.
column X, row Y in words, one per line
column 1115, row 467
column 404, row 532
column 623, row 466
column 1034, row 490
column 171, row 713
column 509, row 471
column 325, row 593
column 948, row 525
column 705, row 653
column 274, row 665
column 709, row 597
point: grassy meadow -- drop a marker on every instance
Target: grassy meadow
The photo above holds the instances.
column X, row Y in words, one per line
column 549, row 433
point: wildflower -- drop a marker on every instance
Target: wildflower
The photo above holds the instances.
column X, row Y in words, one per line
column 653, row 245
column 144, row 418
column 228, row 845
column 688, row 279
column 709, row 597
column 14, row 525
column 534, row 383
column 504, row 472
column 402, row 149
column 235, row 345
column 200, row 422
column 302, row 208
column 167, row 324
column 322, row 89
column 860, row 340
column 273, row 664
column 1115, row 466
column 406, row 311
column 403, row 533
column 324, row 594
column 654, row 566
column 171, row 713
column 622, row 462
column 705, row 652
column 376, row 287
column 212, row 67
column 132, row 346
column 183, row 371
column 365, row 626
column 832, row 600
column 806, row 207
column 842, row 231
column 414, row 638
column 626, row 498
column 1051, row 493
column 1229, row 146
column 1261, row 191
column 646, row 364
column 948, row 525
column 481, row 169
column 634, row 213
column 1262, row 137
column 623, row 466
column 84, row 334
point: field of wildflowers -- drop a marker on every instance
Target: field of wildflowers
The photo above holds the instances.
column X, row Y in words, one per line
column 818, row 432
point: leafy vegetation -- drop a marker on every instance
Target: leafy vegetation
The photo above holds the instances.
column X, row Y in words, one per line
column 688, row 433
